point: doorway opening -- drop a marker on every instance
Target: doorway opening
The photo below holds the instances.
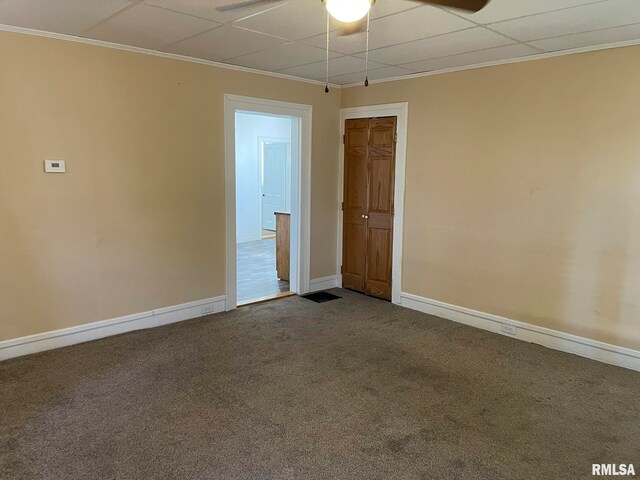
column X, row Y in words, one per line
column 263, row 205
column 268, row 164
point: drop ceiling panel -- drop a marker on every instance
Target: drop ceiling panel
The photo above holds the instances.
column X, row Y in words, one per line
column 471, row 58
column 61, row 16
column 382, row 8
column 499, row 10
column 413, row 25
column 441, row 46
column 377, row 74
column 347, row 45
column 281, row 57
column 295, row 20
column 208, row 8
column 596, row 16
column 587, row 39
column 224, row 42
column 337, row 66
column 150, row 27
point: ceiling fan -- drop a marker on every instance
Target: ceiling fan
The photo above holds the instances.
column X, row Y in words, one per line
column 353, row 15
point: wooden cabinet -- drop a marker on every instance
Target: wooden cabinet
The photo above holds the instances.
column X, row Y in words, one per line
column 283, row 224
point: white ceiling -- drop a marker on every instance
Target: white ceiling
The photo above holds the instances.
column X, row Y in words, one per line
column 289, row 36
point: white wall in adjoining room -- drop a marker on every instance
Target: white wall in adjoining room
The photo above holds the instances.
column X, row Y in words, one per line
column 250, row 130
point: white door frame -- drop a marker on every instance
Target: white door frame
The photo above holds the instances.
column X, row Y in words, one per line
column 401, row 111
column 300, row 192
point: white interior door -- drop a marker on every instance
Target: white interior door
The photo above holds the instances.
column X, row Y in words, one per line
column 274, row 184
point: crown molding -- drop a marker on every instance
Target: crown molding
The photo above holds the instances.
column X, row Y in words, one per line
column 529, row 58
column 156, row 53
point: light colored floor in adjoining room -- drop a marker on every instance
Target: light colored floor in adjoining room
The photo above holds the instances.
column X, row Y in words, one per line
column 256, row 271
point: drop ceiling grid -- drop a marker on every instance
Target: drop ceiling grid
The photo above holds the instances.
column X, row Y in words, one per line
column 590, row 16
column 131, row 4
column 148, row 27
column 406, row 38
column 416, row 11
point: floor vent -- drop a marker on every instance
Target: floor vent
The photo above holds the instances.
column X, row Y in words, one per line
column 321, row 297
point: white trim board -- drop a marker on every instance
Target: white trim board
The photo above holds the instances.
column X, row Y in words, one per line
column 41, row 342
column 565, row 342
column 323, row 283
column 156, row 53
column 401, row 111
column 300, row 192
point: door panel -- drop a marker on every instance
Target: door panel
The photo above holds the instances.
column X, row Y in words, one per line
column 274, row 173
column 353, row 260
column 378, row 262
column 381, row 192
column 380, row 201
column 356, row 180
column 355, row 204
column 368, row 205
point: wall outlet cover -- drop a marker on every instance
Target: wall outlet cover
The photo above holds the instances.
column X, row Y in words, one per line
column 207, row 309
column 509, row 329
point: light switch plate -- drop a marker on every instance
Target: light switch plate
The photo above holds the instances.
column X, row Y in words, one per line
column 54, row 166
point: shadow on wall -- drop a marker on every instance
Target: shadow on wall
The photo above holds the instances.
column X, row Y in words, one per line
column 605, row 276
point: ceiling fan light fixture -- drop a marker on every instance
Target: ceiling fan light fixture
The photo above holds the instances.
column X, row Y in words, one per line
column 348, row 11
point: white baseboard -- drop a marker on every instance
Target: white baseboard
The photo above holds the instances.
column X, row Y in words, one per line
column 603, row 352
column 92, row 331
column 324, row 283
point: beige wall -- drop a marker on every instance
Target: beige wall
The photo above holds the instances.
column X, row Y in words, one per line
column 137, row 222
column 523, row 190
column 522, row 198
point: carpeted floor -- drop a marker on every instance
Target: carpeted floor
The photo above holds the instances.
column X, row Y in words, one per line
column 355, row 388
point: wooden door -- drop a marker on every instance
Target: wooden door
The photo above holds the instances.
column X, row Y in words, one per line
column 382, row 149
column 369, row 170
column 356, row 174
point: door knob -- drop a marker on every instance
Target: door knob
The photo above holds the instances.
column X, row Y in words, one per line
column 365, row 216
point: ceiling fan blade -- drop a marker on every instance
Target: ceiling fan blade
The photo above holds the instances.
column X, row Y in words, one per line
column 245, row 4
column 353, row 28
column 468, row 5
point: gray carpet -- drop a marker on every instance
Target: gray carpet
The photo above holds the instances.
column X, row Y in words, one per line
column 355, row 388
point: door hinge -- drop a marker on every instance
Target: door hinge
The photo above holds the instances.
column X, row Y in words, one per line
column 341, row 269
column 344, row 139
column 342, row 206
column 395, row 138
